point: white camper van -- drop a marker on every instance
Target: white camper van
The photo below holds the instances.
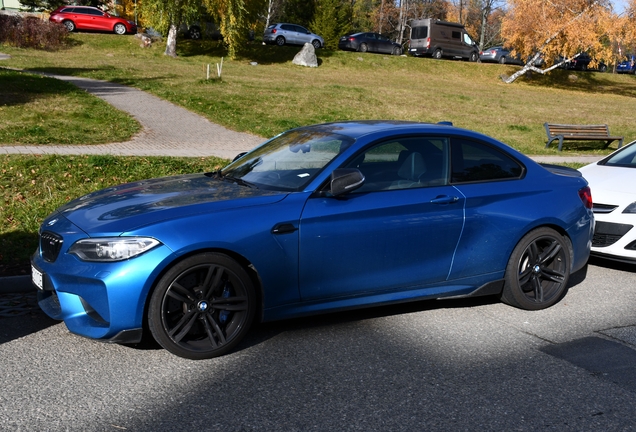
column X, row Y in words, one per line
column 441, row 39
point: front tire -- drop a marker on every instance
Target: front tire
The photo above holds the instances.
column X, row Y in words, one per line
column 538, row 270
column 397, row 51
column 473, row 57
column 120, row 29
column 202, row 307
column 316, row 44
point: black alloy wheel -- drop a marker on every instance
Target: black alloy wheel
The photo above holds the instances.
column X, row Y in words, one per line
column 194, row 33
column 202, row 307
column 538, row 270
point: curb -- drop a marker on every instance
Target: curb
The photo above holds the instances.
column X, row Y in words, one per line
column 16, row 284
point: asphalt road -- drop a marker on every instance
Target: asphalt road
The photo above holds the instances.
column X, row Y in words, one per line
column 435, row 365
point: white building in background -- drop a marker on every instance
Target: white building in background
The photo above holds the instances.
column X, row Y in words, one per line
column 10, row 5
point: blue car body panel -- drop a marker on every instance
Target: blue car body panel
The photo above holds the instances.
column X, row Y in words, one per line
column 334, row 253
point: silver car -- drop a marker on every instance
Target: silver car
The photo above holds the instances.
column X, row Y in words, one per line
column 292, row 34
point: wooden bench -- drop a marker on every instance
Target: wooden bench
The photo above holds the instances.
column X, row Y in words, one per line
column 579, row 133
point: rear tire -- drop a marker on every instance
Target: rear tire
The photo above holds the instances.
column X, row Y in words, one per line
column 280, row 41
column 437, row 54
column 70, row 26
column 538, row 270
column 502, row 60
column 363, row 47
column 194, row 33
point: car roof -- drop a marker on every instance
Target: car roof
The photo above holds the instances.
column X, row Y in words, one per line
column 359, row 128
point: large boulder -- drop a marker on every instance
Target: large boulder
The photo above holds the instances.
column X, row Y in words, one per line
column 306, row 56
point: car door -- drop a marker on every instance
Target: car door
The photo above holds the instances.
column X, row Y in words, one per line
column 290, row 33
column 398, row 231
column 97, row 20
column 302, row 35
column 384, row 44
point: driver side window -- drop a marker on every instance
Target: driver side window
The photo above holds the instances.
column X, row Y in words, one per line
column 412, row 162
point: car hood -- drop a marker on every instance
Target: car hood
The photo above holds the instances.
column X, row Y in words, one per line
column 610, row 183
column 129, row 206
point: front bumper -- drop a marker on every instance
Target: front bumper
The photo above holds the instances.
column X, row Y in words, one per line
column 615, row 240
column 98, row 300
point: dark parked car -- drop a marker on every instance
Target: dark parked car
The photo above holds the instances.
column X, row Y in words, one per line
column 91, row 18
column 499, row 54
column 293, row 34
column 582, row 63
column 627, row 66
column 369, row 42
column 318, row 219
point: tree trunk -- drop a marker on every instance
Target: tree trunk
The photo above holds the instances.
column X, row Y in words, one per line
column 171, row 42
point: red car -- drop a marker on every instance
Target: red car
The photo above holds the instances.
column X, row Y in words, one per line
column 91, row 18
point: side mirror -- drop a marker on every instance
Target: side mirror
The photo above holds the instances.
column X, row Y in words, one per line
column 238, row 156
column 344, row 180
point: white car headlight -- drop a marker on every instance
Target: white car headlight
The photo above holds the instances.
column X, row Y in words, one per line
column 111, row 249
column 630, row 208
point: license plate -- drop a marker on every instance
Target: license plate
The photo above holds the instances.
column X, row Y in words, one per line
column 36, row 277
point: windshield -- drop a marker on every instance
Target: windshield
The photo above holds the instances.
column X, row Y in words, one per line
column 289, row 161
column 623, row 158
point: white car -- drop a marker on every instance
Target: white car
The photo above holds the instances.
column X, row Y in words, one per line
column 613, row 184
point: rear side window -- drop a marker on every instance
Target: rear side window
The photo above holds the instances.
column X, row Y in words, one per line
column 419, row 32
column 288, row 27
column 472, row 161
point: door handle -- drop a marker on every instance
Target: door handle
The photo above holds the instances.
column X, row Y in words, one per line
column 444, row 199
column 284, row 228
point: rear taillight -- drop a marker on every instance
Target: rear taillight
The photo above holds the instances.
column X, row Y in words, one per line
column 351, row 39
column 428, row 43
column 586, row 197
column 273, row 30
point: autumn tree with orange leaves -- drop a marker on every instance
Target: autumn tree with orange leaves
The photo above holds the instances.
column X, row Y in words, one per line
column 558, row 29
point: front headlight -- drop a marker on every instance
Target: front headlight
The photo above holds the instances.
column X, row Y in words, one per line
column 112, row 249
column 630, row 208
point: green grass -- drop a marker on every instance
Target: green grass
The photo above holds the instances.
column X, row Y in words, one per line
column 39, row 110
column 33, row 186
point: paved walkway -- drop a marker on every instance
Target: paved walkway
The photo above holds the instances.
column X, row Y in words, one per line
column 168, row 130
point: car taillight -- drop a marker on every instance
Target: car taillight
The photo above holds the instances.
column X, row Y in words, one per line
column 428, row 42
column 493, row 52
column 586, row 197
column 351, row 39
column 273, row 30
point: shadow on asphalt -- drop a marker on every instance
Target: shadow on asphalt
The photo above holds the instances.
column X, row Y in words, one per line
column 21, row 316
